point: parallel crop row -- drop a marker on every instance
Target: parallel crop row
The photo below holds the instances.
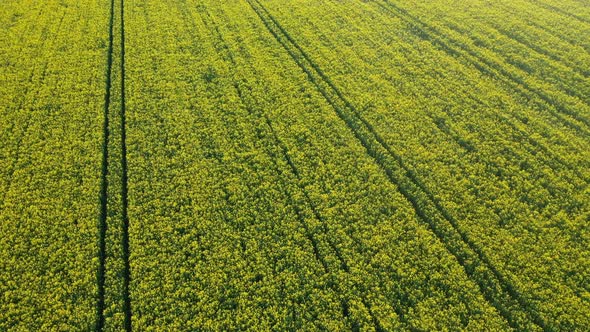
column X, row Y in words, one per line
column 558, row 92
column 493, row 285
column 252, row 204
column 294, row 165
column 498, row 175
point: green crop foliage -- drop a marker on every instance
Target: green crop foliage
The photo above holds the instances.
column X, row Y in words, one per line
column 52, row 93
column 294, row 165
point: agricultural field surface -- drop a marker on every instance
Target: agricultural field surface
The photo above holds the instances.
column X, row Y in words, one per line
column 294, row 165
